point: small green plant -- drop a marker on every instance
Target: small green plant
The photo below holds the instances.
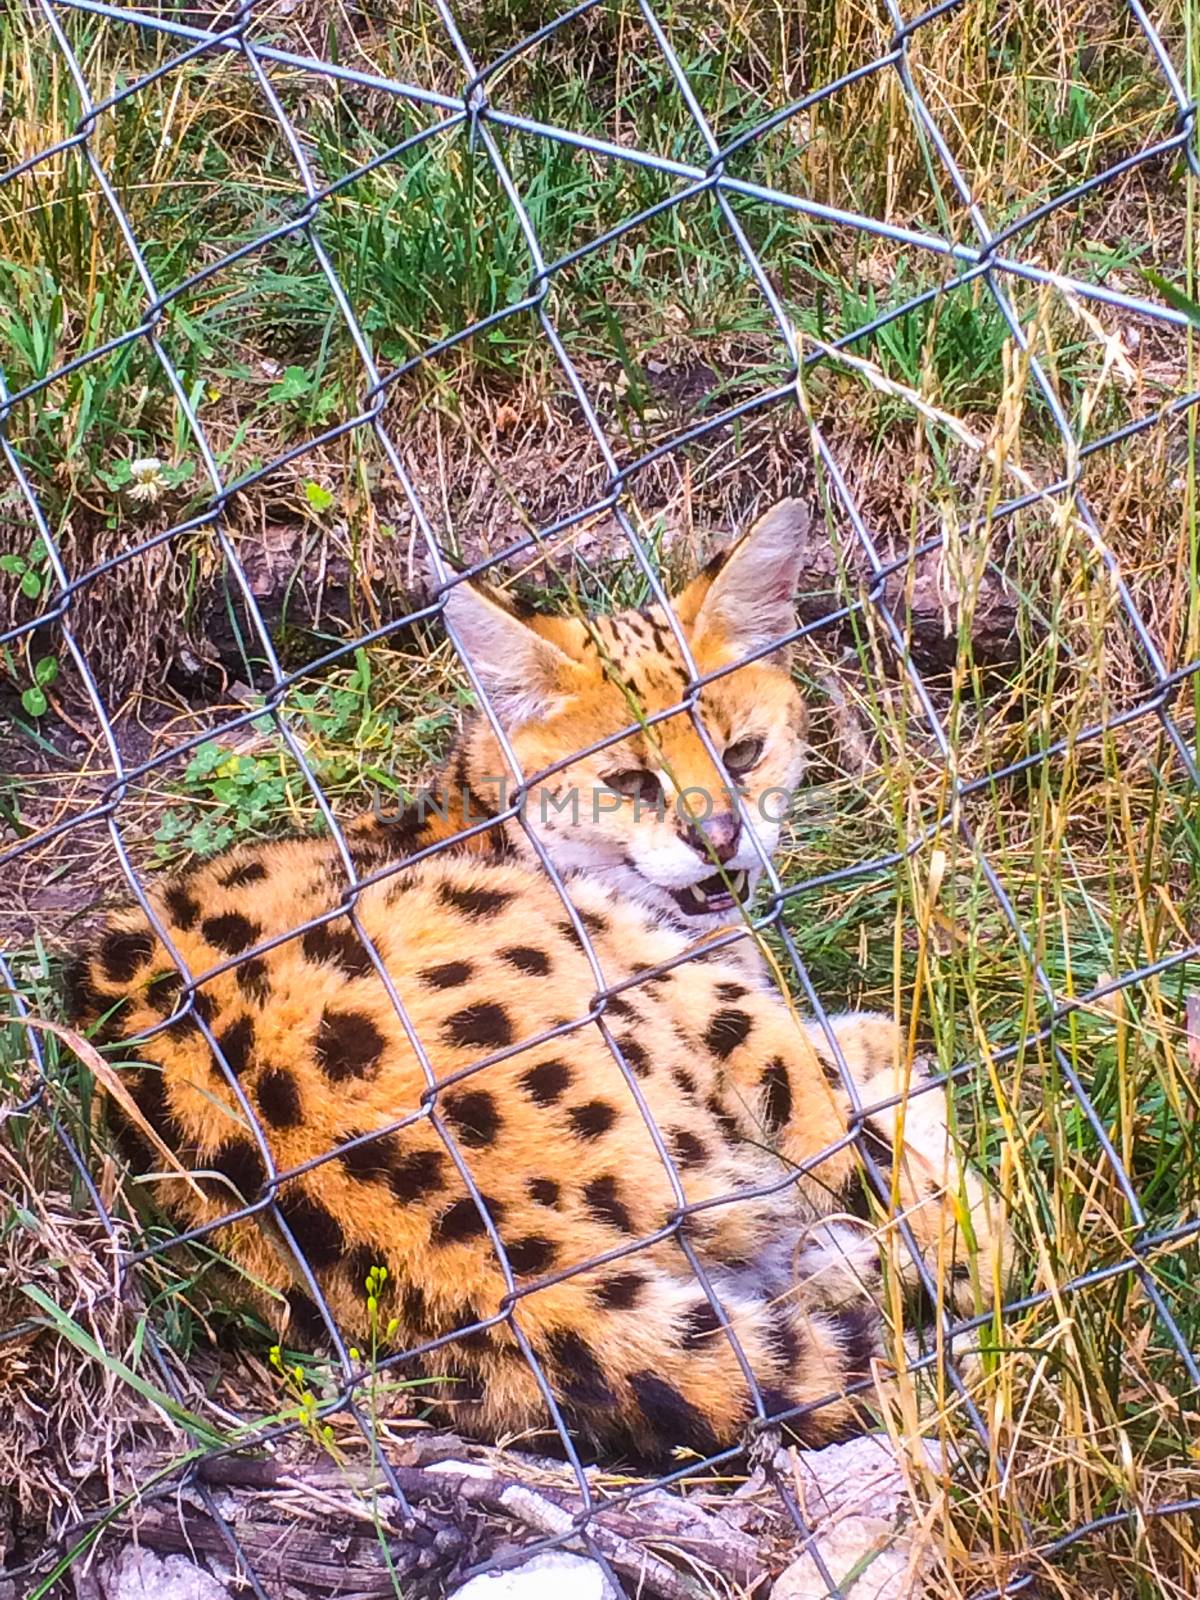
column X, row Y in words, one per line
column 34, row 577
column 31, row 570
column 43, row 672
column 231, row 795
column 376, row 1279
column 302, row 1404
column 318, row 497
column 146, row 480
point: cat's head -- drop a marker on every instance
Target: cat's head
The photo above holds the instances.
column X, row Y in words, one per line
column 651, row 814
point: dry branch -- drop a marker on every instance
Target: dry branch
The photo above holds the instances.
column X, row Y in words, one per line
column 316, row 1528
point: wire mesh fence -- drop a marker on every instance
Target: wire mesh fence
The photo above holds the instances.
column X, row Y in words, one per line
column 972, row 253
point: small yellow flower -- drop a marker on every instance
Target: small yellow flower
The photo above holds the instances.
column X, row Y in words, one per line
column 146, row 481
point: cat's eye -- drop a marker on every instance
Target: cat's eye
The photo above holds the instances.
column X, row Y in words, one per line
column 637, row 783
column 743, row 755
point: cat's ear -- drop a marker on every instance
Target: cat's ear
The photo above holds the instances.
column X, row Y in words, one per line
column 745, row 598
column 525, row 676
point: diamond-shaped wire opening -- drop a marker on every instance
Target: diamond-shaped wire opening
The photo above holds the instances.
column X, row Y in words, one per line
column 1071, row 93
column 625, row 94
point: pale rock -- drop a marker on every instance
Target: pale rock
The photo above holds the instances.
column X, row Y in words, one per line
column 860, row 1476
column 880, row 1559
column 855, row 1500
column 553, row 1575
column 135, row 1573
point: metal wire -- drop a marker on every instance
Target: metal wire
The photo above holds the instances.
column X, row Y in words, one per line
column 995, row 261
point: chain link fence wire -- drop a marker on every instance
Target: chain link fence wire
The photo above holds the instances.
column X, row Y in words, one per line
column 996, row 258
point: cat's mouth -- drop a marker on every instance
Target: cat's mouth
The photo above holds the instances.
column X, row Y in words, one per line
column 718, row 893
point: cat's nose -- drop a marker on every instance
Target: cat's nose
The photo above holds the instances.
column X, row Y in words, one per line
column 716, row 836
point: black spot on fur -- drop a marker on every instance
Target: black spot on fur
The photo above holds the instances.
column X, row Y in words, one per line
column 603, row 1198
column 82, row 996
column 478, row 1340
column 531, row 1256
column 671, row 1418
column 484, row 1024
column 775, row 1402
column 777, row 1093
column 448, row 976
column 369, row 859
column 348, row 1045
column 389, row 838
column 621, row 1292
column 305, row 1319
column 418, row 1174
column 474, row 1117
column 253, row 980
column 547, row 1082
column 162, row 992
column 724, row 1118
column 462, row 1220
column 731, row 991
column 857, row 1195
column 236, row 1043
column 338, row 947
column 317, row 1232
column 499, row 843
column 634, row 1054
column 203, row 1010
column 782, row 1339
column 580, row 1377
column 684, row 1081
column 238, row 877
column 687, row 1149
column 182, row 908
column 534, row 963
column 852, row 1197
column 375, row 1159
column 617, row 1007
column 149, row 1091
column 714, row 564
column 877, row 1144
column 726, row 1031
column 593, row 1120
column 358, row 1265
column 856, row 1328
column 455, row 1383
column 699, row 1325
column 231, row 932
column 544, row 1191
column 122, row 953
column 414, row 1310
column 591, row 920
column 478, row 808
column 279, row 1098
column 239, row 1161
column 473, row 902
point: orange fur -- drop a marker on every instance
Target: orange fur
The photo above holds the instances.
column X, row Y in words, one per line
column 557, row 1135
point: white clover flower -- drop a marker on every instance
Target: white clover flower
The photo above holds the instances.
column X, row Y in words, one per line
column 146, row 480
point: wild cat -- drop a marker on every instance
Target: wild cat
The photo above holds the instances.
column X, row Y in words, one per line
column 483, row 1140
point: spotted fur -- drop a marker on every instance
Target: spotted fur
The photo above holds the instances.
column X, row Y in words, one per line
column 488, row 1145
